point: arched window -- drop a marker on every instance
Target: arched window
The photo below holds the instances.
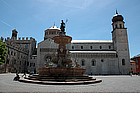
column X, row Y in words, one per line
column 100, row 47
column 123, row 61
column 93, row 62
column 11, row 52
column 83, row 62
column 81, row 47
column 91, row 47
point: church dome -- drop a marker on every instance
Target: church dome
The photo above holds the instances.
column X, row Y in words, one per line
column 54, row 28
column 117, row 17
column 51, row 32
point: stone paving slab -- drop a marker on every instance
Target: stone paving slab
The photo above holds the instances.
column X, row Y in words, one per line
column 109, row 84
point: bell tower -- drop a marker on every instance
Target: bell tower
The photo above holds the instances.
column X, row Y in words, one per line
column 120, row 42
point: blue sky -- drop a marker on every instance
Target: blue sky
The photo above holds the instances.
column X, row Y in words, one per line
column 87, row 19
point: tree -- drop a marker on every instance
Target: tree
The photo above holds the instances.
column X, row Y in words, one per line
column 3, row 52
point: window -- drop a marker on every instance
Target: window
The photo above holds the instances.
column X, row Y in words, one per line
column 100, row 47
column 123, row 61
column 7, row 61
column 120, row 25
column 93, row 62
column 102, row 60
column 136, row 61
column 81, row 47
column 83, row 62
column 14, row 61
column 91, row 47
column 109, row 47
column 11, row 52
column 26, row 46
column 72, row 47
column 116, row 25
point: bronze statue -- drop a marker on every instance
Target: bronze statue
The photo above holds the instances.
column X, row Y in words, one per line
column 62, row 27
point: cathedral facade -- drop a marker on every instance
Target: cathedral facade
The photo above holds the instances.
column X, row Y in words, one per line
column 98, row 57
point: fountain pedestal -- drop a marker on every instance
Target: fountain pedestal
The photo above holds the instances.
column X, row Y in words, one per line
column 63, row 60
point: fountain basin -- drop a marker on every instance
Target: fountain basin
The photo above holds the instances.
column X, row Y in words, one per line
column 61, row 72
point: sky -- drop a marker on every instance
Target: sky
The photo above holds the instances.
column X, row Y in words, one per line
column 87, row 19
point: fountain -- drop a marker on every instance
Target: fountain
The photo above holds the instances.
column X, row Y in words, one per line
column 62, row 70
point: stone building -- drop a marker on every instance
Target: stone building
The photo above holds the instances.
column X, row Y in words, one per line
column 20, row 53
column 133, row 67
column 96, row 56
column 136, row 60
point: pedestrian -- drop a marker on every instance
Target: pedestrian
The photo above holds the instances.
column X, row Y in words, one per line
column 17, row 77
column 24, row 74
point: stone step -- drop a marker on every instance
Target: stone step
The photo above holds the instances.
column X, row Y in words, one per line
column 49, row 78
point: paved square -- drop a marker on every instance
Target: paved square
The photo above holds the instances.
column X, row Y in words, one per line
column 109, row 84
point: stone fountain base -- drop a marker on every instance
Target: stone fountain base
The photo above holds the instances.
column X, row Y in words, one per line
column 46, row 80
column 60, row 76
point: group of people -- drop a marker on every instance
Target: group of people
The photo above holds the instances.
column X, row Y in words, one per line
column 17, row 77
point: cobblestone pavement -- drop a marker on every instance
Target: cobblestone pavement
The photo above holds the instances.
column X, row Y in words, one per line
column 109, row 84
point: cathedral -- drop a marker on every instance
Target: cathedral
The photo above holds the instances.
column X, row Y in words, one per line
column 98, row 57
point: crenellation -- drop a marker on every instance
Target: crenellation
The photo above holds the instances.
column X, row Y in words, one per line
column 8, row 38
